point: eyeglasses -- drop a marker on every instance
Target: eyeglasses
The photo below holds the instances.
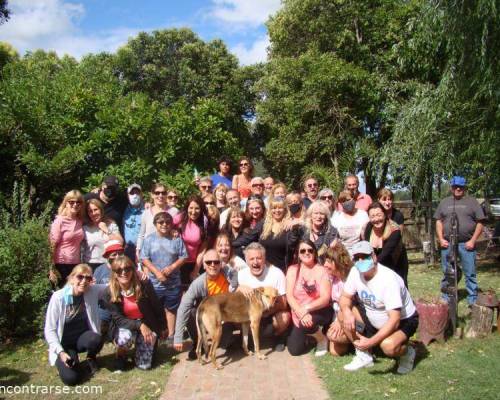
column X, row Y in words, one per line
column 162, row 222
column 121, row 271
column 306, row 250
column 172, row 197
column 457, row 187
column 212, row 262
column 74, row 203
column 258, row 185
column 80, row 277
column 244, row 164
column 209, row 203
column 206, row 187
column 326, row 198
column 160, row 193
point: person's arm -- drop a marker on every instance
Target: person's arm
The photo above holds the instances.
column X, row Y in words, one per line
column 291, row 278
column 173, row 267
column 142, row 233
column 439, row 232
column 188, row 302
column 54, row 310
column 146, row 261
column 156, row 305
column 345, row 303
column 235, row 182
column 392, row 324
column 470, row 244
column 199, row 258
column 114, row 232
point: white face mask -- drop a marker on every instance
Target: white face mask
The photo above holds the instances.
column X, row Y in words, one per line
column 134, row 199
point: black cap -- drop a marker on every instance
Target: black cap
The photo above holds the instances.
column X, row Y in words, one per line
column 110, row 181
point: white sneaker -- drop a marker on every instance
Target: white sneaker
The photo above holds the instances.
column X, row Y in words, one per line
column 406, row 361
column 321, row 348
column 362, row 359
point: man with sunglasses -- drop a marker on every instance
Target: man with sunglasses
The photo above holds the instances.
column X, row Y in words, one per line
column 224, row 175
column 387, row 315
column 470, row 217
column 216, row 279
column 205, row 185
column 257, row 186
column 311, row 189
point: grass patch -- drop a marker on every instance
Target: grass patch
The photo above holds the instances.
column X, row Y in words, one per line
column 26, row 364
column 457, row 369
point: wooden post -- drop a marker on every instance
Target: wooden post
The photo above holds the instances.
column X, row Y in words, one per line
column 481, row 321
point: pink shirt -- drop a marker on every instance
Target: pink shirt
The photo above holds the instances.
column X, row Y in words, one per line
column 131, row 308
column 67, row 234
column 362, row 202
column 337, row 287
column 191, row 236
column 303, row 296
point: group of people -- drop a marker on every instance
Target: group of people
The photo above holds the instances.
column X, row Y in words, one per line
column 132, row 269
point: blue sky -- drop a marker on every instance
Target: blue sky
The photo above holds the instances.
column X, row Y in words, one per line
column 77, row 27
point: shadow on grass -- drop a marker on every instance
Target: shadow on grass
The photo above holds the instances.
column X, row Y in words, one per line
column 422, row 354
column 13, row 377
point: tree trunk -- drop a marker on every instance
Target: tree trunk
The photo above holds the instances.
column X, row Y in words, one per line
column 481, row 321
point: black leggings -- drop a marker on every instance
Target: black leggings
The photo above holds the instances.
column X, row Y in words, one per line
column 296, row 342
column 88, row 341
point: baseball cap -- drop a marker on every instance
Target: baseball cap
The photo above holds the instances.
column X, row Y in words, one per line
column 134, row 186
column 458, row 181
column 110, row 181
column 362, row 247
column 111, row 246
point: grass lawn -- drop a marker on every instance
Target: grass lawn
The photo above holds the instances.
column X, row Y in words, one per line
column 457, row 369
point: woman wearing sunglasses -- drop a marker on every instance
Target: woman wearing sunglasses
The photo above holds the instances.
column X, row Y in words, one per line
column 137, row 314
column 159, row 194
column 241, row 181
column 72, row 325
column 162, row 255
column 66, row 235
column 326, row 195
column 308, row 291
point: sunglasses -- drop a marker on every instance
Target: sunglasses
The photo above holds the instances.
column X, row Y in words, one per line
column 212, row 262
column 244, row 164
column 160, row 193
column 311, row 185
column 121, row 271
column 74, row 202
column 307, row 250
column 172, row 197
column 206, row 187
column 258, row 185
column 80, row 277
column 326, row 198
column 162, row 222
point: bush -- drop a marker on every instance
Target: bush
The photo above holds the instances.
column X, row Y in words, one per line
column 24, row 263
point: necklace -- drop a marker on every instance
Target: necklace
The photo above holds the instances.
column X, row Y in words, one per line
column 128, row 292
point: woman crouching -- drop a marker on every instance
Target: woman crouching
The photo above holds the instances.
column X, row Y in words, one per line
column 72, row 325
column 138, row 316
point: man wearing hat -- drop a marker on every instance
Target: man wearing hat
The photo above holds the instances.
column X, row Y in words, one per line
column 386, row 315
column 132, row 219
column 470, row 216
column 113, row 200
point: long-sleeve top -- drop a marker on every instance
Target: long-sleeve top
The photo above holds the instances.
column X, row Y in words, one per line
column 67, row 235
column 280, row 248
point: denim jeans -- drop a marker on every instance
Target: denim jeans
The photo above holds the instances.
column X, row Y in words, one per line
column 468, row 264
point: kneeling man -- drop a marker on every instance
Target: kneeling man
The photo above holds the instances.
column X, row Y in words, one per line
column 258, row 274
column 389, row 317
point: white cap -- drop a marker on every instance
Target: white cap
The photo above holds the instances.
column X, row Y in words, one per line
column 134, row 186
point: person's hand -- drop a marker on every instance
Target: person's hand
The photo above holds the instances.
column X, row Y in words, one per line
column 175, row 233
column 307, row 320
column 162, row 278
column 54, row 276
column 469, row 245
column 363, row 343
column 167, row 271
column 103, row 227
column 65, row 357
column 335, row 330
column 444, row 243
column 349, row 323
column 164, row 334
column 178, row 347
column 141, row 275
column 148, row 334
column 147, row 205
column 246, row 291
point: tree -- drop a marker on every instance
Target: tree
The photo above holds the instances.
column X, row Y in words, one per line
column 343, row 52
column 4, row 11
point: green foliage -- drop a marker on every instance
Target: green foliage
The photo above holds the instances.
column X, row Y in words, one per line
column 24, row 265
column 182, row 181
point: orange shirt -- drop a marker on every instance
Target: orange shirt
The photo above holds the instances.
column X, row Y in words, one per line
column 217, row 285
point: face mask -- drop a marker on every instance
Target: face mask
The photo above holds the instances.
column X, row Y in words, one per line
column 364, row 265
column 349, row 206
column 109, row 192
column 295, row 208
column 134, row 200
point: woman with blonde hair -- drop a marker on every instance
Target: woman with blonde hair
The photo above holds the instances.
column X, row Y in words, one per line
column 276, row 239
column 72, row 325
column 137, row 314
column 98, row 230
column 66, row 235
column 278, row 190
column 317, row 227
column 220, row 192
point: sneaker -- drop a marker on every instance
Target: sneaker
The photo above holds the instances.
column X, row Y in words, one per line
column 406, row 361
column 321, row 348
column 92, row 365
column 362, row 359
column 192, row 354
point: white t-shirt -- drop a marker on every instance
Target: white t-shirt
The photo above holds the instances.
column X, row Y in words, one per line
column 95, row 239
column 350, row 227
column 385, row 291
column 271, row 276
column 237, row 263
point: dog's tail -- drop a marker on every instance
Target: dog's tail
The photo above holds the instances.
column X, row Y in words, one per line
column 202, row 336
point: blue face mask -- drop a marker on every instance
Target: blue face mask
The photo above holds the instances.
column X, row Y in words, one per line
column 364, row 265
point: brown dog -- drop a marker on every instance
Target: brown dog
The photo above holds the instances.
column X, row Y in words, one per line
column 232, row 307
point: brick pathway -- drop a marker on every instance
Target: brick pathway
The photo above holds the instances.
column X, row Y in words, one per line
column 279, row 377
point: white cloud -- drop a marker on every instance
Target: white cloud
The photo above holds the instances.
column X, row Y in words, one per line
column 246, row 12
column 257, row 52
column 54, row 25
